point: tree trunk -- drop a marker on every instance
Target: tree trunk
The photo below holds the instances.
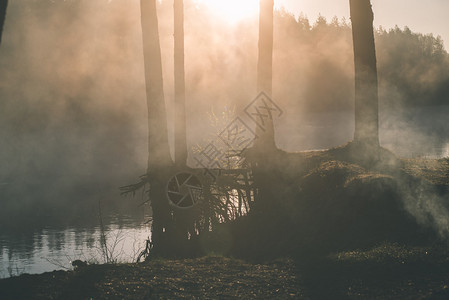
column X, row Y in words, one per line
column 159, row 160
column 3, row 5
column 366, row 88
column 180, row 109
column 158, row 147
column 265, row 70
column 264, row 145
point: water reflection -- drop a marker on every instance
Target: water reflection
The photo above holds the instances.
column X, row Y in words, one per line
column 51, row 249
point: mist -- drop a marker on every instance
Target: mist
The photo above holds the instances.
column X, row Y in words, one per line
column 73, row 120
column 317, row 157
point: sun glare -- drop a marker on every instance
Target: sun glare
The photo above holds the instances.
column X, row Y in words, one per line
column 232, row 10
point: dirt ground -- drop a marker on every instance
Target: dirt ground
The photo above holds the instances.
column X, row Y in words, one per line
column 202, row 278
column 384, row 272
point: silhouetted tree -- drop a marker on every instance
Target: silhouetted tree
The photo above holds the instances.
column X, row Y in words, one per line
column 158, row 147
column 3, row 5
column 366, row 87
column 159, row 160
column 264, row 145
column 180, row 109
column 266, row 139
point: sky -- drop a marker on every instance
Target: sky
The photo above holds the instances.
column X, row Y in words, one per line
column 430, row 16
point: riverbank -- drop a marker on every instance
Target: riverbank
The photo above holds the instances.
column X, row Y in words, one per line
column 207, row 277
column 387, row 271
column 331, row 206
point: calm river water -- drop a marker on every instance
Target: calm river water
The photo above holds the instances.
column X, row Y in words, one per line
column 51, row 249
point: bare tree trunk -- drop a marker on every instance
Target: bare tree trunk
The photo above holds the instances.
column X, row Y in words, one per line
column 159, row 160
column 264, row 145
column 265, row 70
column 366, row 84
column 180, row 109
column 158, row 147
column 3, row 6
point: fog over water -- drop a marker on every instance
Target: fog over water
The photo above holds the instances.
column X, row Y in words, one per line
column 73, row 125
column 73, row 109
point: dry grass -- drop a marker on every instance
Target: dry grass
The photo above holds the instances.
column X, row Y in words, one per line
column 435, row 171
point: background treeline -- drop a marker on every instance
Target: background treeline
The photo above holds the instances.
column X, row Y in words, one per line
column 413, row 67
column 73, row 110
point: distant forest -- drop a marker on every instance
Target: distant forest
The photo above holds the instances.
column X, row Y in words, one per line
column 413, row 67
column 72, row 90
